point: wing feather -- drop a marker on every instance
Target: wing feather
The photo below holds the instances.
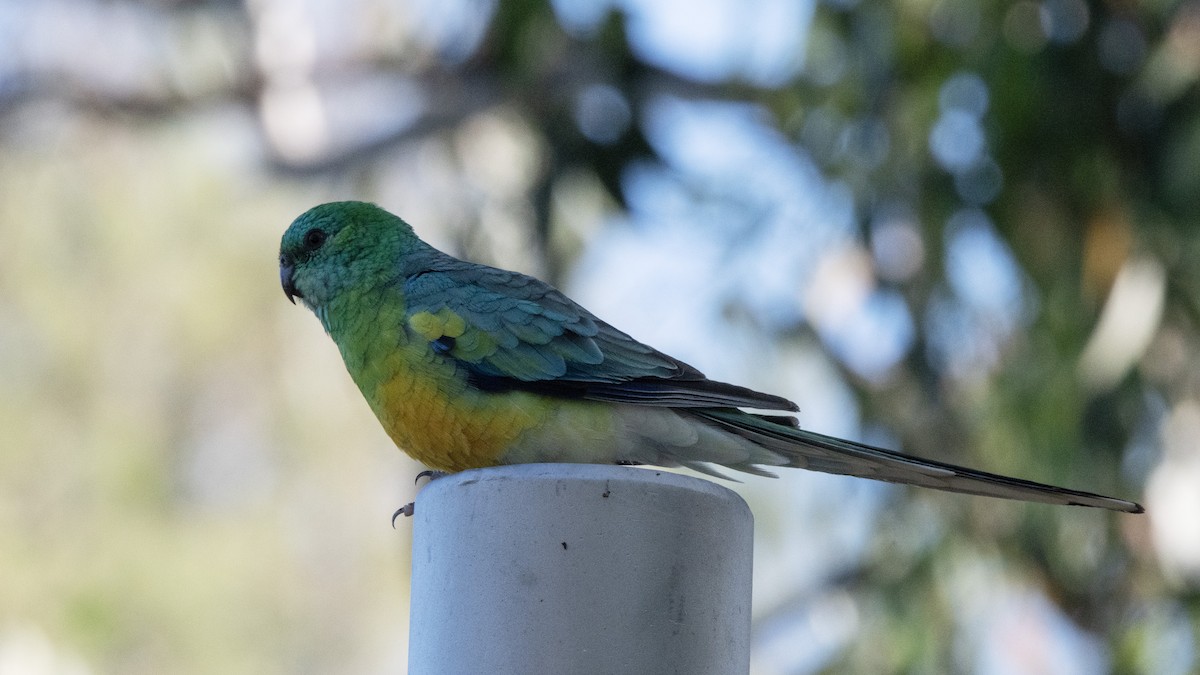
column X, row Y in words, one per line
column 521, row 333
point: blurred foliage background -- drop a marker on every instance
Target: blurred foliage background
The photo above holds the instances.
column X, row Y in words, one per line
column 964, row 229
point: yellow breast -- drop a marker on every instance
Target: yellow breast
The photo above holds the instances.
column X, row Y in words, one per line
column 433, row 416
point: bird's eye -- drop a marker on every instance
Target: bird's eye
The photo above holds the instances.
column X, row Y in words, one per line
column 313, row 239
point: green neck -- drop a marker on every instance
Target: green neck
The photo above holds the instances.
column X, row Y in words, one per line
column 366, row 325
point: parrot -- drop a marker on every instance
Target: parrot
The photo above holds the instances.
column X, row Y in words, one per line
column 470, row 366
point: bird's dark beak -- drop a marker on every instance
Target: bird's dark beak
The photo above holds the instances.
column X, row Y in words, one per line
column 285, row 278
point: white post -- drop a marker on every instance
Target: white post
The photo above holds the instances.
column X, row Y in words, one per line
column 578, row 569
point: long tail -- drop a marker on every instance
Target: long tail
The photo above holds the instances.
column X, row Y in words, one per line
column 808, row 450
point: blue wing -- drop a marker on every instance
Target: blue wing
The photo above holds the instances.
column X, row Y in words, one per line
column 510, row 331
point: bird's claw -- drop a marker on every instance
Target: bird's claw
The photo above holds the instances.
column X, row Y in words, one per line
column 407, row 510
column 431, row 474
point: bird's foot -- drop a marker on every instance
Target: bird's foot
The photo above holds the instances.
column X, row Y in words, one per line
column 410, row 508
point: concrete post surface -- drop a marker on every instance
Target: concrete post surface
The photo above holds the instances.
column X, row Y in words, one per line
column 573, row 569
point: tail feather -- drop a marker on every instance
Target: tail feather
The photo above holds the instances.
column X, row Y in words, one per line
column 817, row 452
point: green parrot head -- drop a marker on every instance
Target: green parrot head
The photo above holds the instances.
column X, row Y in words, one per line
column 340, row 246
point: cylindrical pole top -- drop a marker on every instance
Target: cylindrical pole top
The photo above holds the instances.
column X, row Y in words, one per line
column 580, row 569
